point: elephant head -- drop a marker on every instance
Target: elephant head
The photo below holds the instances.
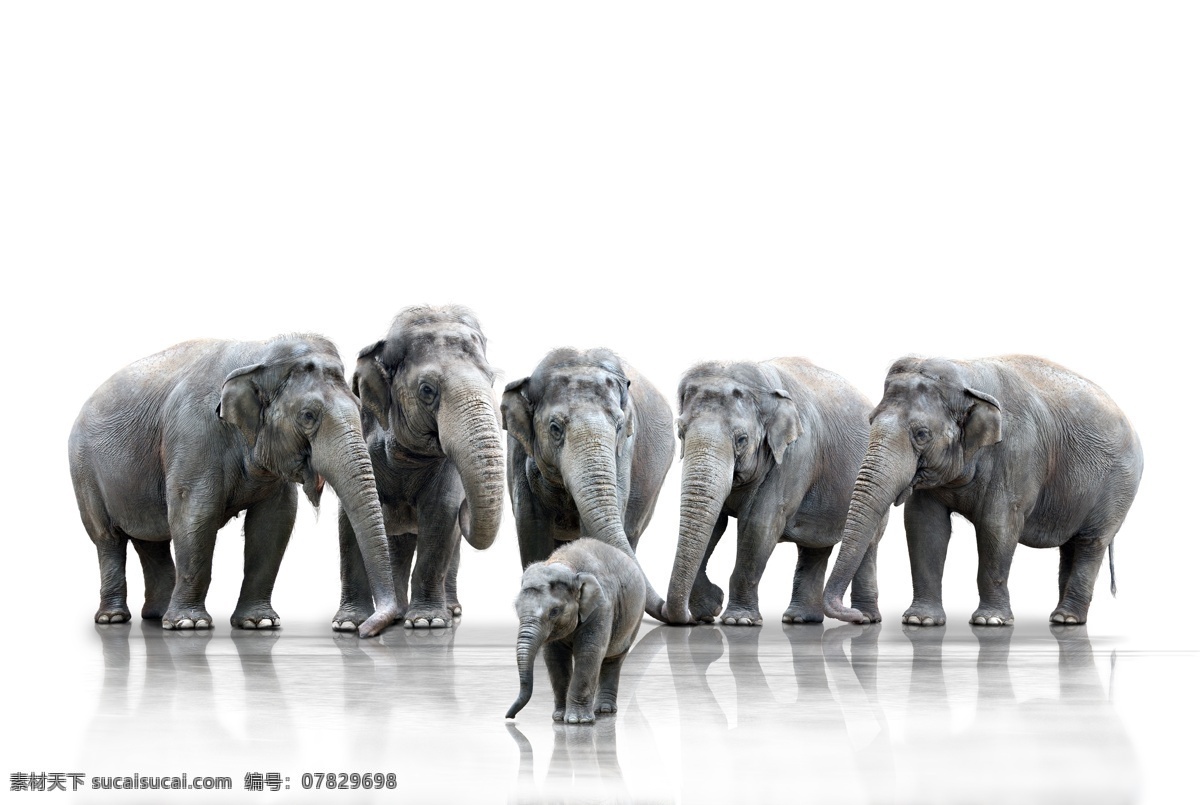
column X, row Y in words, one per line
column 429, row 385
column 928, row 431
column 735, row 423
column 553, row 601
column 301, row 422
column 570, row 416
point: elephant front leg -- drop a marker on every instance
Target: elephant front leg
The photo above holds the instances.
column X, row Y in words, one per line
column 452, row 602
column 436, row 538
column 755, row 543
column 997, row 543
column 808, row 586
column 355, row 606
column 927, row 528
column 194, row 530
column 158, row 571
column 268, row 528
column 706, row 597
column 610, row 679
column 558, row 666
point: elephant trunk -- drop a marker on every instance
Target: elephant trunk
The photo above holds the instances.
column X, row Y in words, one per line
column 340, row 455
column 590, row 475
column 886, row 474
column 708, row 466
column 530, row 637
column 470, row 435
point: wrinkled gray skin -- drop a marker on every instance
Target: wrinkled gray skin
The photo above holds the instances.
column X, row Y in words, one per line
column 775, row 445
column 589, row 444
column 584, row 605
column 1024, row 449
column 173, row 446
column 430, row 422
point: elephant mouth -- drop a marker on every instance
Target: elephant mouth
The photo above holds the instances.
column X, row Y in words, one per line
column 314, row 485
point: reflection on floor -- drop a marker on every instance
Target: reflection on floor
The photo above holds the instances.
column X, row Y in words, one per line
column 708, row 714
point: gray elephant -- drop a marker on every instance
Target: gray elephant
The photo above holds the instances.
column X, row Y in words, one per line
column 589, row 444
column 173, row 446
column 584, row 605
column 430, row 422
column 1026, row 450
column 775, row 445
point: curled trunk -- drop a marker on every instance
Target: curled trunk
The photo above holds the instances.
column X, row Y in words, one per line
column 530, row 637
column 340, row 455
column 886, row 474
column 590, row 474
column 707, row 480
column 470, row 436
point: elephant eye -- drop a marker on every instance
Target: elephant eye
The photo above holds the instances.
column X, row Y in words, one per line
column 741, row 441
column 556, row 431
column 922, row 435
column 427, row 392
column 307, row 417
column 554, row 613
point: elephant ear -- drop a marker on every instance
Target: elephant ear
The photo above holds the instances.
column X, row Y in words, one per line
column 243, row 401
column 516, row 413
column 982, row 426
column 591, row 596
column 371, row 383
column 782, row 422
column 626, row 438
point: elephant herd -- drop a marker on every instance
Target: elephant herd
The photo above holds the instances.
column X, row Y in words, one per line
column 173, row 446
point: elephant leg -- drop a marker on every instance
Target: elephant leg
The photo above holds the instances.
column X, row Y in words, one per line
column 558, row 666
column 587, row 657
column 808, row 586
column 706, row 597
column 402, row 548
column 1079, row 565
column 111, row 550
column 355, row 606
column 452, row 602
column 158, row 571
column 437, row 536
column 997, row 542
column 194, row 530
column 755, row 543
column 610, row 679
column 268, row 528
column 927, row 527
column 864, row 594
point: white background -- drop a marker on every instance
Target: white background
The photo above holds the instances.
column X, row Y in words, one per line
column 676, row 182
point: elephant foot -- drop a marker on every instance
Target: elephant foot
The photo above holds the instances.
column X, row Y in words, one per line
column 577, row 715
column 112, row 614
column 427, row 617
column 924, row 615
column 606, row 704
column 1067, row 617
column 740, row 616
column 559, row 715
column 349, row 617
column 454, row 607
column 992, row 616
column 254, row 618
column 870, row 612
column 706, row 600
column 797, row 614
column 152, row 611
column 194, row 618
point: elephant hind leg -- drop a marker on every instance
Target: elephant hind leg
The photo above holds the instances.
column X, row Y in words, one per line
column 111, row 546
column 610, row 678
column 158, row 570
column 1078, row 566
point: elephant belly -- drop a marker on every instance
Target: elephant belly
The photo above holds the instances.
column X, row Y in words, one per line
column 399, row 519
column 140, row 517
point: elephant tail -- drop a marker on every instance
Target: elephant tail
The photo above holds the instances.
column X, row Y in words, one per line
column 1112, row 572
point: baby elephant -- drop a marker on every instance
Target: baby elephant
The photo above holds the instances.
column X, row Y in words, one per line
column 585, row 604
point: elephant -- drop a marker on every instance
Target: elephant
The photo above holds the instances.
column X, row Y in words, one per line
column 174, row 445
column 584, row 605
column 775, row 445
column 433, row 434
column 1026, row 450
column 589, row 445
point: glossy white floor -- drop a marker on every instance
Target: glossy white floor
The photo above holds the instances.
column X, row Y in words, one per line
column 707, row 714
